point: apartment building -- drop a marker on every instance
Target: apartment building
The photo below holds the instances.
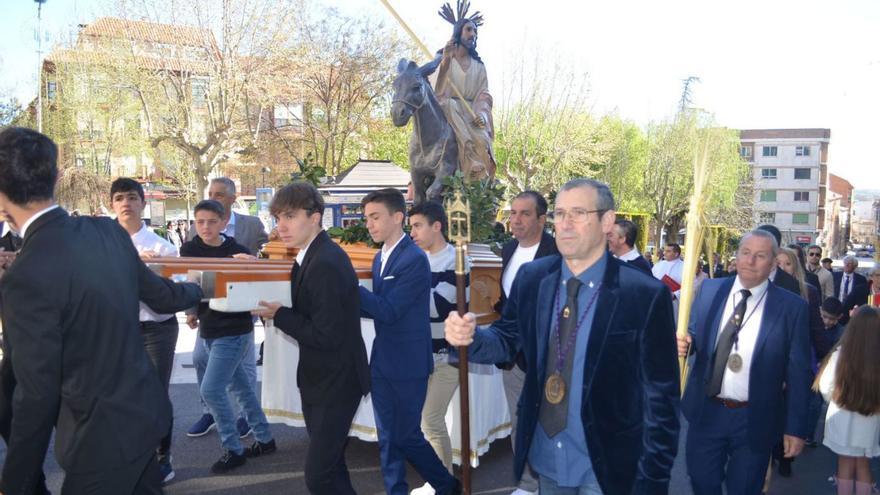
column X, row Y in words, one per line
column 790, row 168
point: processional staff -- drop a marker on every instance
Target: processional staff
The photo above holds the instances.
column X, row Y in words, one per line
column 459, row 213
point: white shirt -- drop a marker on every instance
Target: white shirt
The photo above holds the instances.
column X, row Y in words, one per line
column 31, row 220
column 386, row 253
column 147, row 240
column 6, row 229
column 671, row 268
column 633, row 254
column 844, row 290
column 735, row 386
column 520, row 257
column 230, row 225
column 301, row 255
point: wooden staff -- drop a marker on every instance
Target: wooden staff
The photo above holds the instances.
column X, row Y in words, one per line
column 458, row 211
column 428, row 54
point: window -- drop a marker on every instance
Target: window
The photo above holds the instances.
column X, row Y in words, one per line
column 800, row 218
column 768, row 150
column 766, row 217
column 288, row 114
column 768, row 195
column 802, row 151
column 199, row 90
column 801, row 173
column 745, row 151
column 802, row 195
column 51, row 90
column 768, row 173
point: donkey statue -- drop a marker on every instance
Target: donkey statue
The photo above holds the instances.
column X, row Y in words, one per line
column 433, row 152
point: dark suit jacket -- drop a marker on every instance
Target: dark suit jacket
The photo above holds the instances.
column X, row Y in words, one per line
column 399, row 307
column 9, row 242
column 857, row 281
column 779, row 377
column 813, row 279
column 786, row 281
column 641, row 263
column 325, row 319
column 631, row 391
column 76, row 349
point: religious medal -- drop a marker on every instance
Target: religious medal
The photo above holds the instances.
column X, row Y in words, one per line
column 554, row 389
column 565, row 312
column 735, row 362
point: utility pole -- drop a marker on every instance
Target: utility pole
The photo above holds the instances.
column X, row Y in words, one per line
column 39, row 64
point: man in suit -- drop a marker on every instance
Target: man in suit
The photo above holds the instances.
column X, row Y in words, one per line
column 528, row 216
column 850, row 288
column 622, row 244
column 401, row 359
column 61, row 310
column 777, row 276
column 324, row 318
column 749, row 383
column 248, row 231
column 717, row 267
column 599, row 410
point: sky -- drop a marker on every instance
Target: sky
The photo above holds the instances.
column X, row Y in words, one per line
column 762, row 64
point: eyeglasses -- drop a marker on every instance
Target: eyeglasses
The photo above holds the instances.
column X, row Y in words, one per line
column 811, row 255
column 576, row 215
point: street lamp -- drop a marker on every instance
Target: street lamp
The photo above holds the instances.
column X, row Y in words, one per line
column 39, row 64
column 265, row 170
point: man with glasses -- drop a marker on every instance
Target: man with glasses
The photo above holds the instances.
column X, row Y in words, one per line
column 826, row 280
column 599, row 409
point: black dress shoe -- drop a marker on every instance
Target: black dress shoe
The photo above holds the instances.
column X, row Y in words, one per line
column 228, row 461
column 260, row 448
column 785, row 468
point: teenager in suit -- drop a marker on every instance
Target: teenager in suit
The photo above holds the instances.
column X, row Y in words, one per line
column 249, row 232
column 622, row 244
column 749, row 384
column 401, row 359
column 60, row 312
column 611, row 425
column 332, row 374
column 528, row 216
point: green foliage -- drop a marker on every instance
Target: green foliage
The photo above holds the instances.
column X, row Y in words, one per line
column 309, row 171
column 485, row 197
column 354, row 233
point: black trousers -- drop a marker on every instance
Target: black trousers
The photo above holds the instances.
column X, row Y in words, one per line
column 160, row 339
column 328, row 426
column 140, row 477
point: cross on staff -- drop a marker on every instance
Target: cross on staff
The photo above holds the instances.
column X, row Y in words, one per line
column 459, row 213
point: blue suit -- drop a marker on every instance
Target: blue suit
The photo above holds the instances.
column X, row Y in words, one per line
column 779, row 391
column 630, row 389
column 400, row 363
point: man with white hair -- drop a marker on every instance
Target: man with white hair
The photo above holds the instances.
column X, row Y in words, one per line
column 850, row 287
column 750, row 380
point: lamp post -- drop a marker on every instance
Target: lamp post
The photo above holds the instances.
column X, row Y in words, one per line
column 264, row 170
column 39, row 36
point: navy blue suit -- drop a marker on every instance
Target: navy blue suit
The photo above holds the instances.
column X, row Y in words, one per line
column 779, row 391
column 858, row 293
column 400, row 363
column 630, row 387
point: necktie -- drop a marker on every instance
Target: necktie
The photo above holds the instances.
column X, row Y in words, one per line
column 553, row 416
column 725, row 344
column 845, row 286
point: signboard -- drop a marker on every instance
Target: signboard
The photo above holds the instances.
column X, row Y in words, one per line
column 157, row 213
column 264, row 199
column 803, row 238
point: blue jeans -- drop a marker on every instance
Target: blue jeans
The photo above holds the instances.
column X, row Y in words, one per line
column 225, row 368
column 548, row 486
column 200, row 362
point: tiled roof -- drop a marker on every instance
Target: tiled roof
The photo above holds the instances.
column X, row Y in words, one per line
column 373, row 173
column 748, row 134
column 111, row 27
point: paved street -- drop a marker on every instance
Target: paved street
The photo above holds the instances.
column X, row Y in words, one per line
column 282, row 472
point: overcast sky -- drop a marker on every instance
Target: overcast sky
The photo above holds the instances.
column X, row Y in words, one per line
column 762, row 64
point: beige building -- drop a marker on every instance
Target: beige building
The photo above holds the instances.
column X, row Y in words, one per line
column 790, row 168
column 838, row 213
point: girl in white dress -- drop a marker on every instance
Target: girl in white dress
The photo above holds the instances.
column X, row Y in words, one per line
column 850, row 383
